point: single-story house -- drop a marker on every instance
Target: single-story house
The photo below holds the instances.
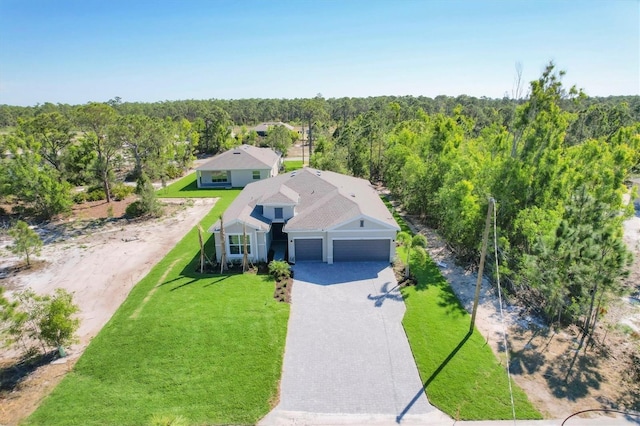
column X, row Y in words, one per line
column 262, row 128
column 239, row 166
column 312, row 215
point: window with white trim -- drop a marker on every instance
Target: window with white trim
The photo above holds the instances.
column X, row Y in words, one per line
column 236, row 246
column 256, row 174
column 278, row 212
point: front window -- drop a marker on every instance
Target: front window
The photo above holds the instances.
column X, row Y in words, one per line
column 236, row 246
column 278, row 212
column 256, row 174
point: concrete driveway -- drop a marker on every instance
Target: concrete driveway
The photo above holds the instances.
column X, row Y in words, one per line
column 346, row 351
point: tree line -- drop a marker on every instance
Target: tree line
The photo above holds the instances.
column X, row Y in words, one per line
column 557, row 169
column 555, row 160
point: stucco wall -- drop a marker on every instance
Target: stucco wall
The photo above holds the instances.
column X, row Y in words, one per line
column 241, row 178
column 269, row 212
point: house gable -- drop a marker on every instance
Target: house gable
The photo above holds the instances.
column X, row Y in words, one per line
column 363, row 223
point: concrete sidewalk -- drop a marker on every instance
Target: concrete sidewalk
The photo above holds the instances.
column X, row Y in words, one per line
column 437, row 418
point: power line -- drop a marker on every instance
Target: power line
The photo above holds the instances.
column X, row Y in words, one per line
column 504, row 331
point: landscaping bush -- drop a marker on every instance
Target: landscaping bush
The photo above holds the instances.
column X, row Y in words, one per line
column 280, row 270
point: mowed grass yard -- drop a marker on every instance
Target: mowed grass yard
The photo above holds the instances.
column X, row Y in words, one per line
column 459, row 371
column 188, row 188
column 206, row 349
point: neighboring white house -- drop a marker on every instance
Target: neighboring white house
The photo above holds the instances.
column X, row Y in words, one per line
column 238, row 167
column 313, row 215
column 263, row 128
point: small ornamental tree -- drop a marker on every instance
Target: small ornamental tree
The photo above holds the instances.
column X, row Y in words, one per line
column 26, row 241
column 417, row 243
column 57, row 325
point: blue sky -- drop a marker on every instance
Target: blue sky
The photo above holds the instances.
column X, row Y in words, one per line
column 93, row 50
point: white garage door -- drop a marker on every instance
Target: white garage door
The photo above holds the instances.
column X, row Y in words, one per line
column 361, row 250
column 309, row 250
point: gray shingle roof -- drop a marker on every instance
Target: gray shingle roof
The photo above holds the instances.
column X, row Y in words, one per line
column 326, row 199
column 282, row 195
column 244, row 157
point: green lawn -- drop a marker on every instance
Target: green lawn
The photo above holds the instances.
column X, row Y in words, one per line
column 206, row 348
column 291, row 165
column 460, row 373
column 188, row 188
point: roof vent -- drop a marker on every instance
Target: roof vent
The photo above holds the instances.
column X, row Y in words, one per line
column 236, row 152
column 353, row 195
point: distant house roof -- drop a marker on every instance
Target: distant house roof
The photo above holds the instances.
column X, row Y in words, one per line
column 244, row 157
column 323, row 200
column 262, row 128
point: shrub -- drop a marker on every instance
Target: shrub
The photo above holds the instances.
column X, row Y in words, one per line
column 120, row 191
column 80, row 197
column 95, row 194
column 173, row 172
column 280, row 269
column 135, row 209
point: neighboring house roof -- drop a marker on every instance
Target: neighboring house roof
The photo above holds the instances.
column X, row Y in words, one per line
column 264, row 127
column 244, row 157
column 324, row 200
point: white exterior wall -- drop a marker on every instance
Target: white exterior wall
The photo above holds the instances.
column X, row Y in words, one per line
column 261, row 254
column 270, row 212
column 241, row 178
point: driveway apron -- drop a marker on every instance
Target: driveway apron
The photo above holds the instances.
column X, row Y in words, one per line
column 346, row 350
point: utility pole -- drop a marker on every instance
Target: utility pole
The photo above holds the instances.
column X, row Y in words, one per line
column 483, row 254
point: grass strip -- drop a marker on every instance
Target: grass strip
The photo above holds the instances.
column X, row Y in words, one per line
column 187, row 187
column 460, row 373
column 291, row 165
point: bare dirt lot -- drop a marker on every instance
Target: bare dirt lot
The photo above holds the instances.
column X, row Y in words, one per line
column 99, row 260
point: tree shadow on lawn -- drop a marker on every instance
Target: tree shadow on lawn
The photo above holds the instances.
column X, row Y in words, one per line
column 12, row 375
column 433, row 376
column 191, row 186
column 192, row 270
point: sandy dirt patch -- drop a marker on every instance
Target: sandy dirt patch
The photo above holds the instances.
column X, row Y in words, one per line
column 100, row 262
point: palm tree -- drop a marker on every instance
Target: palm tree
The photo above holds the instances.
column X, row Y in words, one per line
column 417, row 243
